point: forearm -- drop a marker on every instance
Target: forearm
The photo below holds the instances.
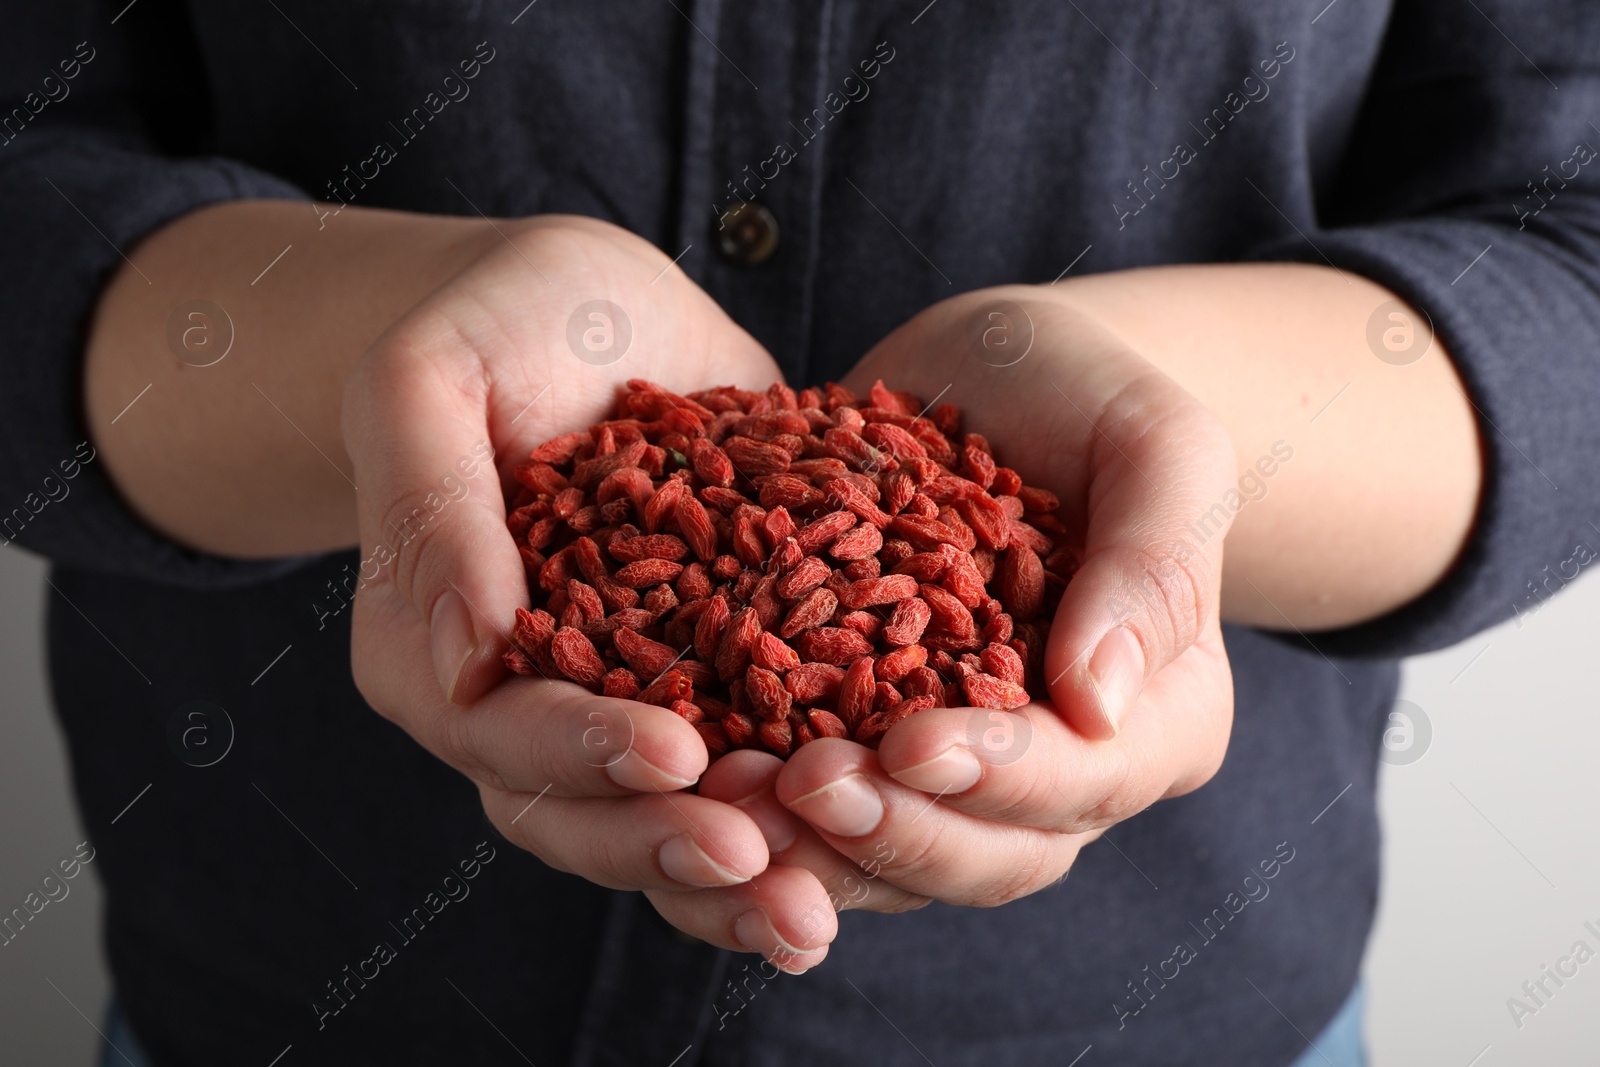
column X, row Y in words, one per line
column 1380, row 493
column 244, row 456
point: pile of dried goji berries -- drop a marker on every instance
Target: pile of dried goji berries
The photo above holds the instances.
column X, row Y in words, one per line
column 777, row 567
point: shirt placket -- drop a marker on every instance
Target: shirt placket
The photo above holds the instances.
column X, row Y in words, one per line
column 756, row 73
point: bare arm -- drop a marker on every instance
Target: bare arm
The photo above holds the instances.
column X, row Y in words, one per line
column 1380, row 493
column 213, row 456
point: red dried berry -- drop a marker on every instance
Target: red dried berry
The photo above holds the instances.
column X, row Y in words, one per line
column 909, row 620
column 857, row 544
column 696, row 526
column 815, row 609
column 889, row 589
column 671, row 686
column 621, row 683
column 826, row 723
column 987, row 691
column 710, row 463
column 733, row 654
column 765, row 692
column 648, row 572
column 1003, row 662
column 771, row 653
column 575, row 657
column 856, row 692
column 1021, row 579
column 776, row 737
column 897, row 664
column 647, row 658
column 833, row 644
column 814, row 683
column 710, row 627
column 754, row 458
column 646, row 546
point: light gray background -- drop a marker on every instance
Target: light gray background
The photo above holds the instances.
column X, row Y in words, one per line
column 1490, row 870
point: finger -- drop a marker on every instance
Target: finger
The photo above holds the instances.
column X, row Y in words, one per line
column 653, row 841
column 429, row 502
column 912, row 841
column 782, row 913
column 745, row 779
column 1030, row 768
column 1151, row 575
column 528, row 735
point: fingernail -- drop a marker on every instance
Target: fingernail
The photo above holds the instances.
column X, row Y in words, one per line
column 850, row 807
column 778, row 827
column 1116, row 670
column 755, row 932
column 683, row 860
column 452, row 640
column 632, row 771
column 955, row 770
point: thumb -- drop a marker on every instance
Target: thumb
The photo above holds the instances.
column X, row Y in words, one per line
column 1150, row 582
column 431, row 508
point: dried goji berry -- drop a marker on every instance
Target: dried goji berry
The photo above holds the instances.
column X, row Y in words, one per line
column 722, row 606
column 1021, row 580
column 814, row 683
column 817, row 608
column 575, row 657
column 833, row 644
column 987, row 691
column 771, row 653
column 648, row 572
column 648, row 658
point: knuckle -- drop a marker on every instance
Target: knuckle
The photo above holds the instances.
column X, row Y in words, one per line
column 888, row 900
column 1176, row 592
column 1119, row 800
column 927, row 862
column 1033, row 869
column 1019, row 795
column 453, row 738
column 407, row 532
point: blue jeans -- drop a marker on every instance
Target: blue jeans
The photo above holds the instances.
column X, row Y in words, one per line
column 1340, row 1043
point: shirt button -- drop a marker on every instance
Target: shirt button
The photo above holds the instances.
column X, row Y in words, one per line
column 747, row 234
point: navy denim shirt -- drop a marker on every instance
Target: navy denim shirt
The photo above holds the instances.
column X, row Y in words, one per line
column 907, row 151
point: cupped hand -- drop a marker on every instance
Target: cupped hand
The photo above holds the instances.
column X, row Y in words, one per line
column 513, row 351
column 979, row 807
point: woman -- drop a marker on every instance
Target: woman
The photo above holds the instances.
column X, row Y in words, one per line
column 291, row 275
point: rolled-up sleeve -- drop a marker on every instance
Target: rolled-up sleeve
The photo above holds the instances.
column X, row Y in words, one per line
column 83, row 105
column 1471, row 188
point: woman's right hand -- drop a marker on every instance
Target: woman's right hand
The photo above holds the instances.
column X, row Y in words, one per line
column 497, row 358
